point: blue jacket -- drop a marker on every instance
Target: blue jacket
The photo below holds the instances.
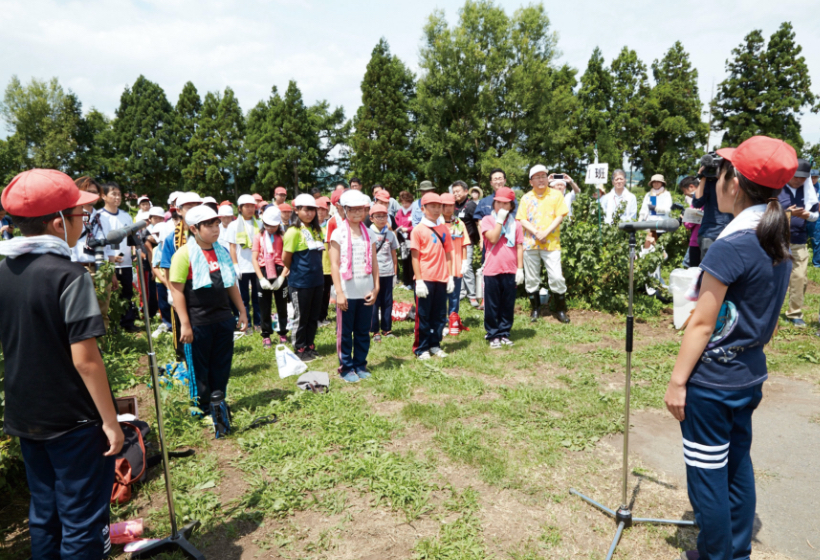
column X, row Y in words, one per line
column 484, row 207
column 713, row 219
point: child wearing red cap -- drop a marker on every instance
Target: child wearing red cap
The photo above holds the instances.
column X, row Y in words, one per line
column 431, row 248
column 460, row 243
column 58, row 402
column 717, row 379
column 503, row 267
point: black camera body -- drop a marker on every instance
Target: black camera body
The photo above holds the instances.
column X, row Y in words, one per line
column 710, row 163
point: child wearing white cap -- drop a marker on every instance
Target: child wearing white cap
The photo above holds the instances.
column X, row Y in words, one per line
column 241, row 233
column 270, row 272
column 203, row 283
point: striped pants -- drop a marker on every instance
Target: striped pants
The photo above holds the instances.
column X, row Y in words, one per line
column 717, row 438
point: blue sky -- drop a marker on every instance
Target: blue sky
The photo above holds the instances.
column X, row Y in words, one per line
column 98, row 47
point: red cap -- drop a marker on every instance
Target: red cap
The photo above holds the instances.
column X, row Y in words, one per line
column 322, row 202
column 430, row 198
column 280, row 190
column 763, row 160
column 376, row 208
column 226, row 202
column 336, row 195
column 257, row 197
column 504, row 194
column 261, row 203
column 447, row 198
column 382, row 195
column 285, row 207
column 40, row 192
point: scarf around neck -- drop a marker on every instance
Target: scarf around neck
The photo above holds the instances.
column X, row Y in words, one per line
column 507, row 229
column 201, row 271
column 35, row 245
column 748, row 219
column 346, row 251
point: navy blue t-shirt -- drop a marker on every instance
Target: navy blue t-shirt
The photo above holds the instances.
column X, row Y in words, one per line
column 734, row 357
column 713, row 219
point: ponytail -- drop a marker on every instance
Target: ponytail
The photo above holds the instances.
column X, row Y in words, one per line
column 773, row 229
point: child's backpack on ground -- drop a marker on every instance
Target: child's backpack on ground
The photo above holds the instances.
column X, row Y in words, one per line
column 130, row 461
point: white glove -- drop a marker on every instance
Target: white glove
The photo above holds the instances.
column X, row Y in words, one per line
column 236, row 269
column 265, row 284
column 465, row 266
column 421, row 289
column 502, row 215
column 519, row 276
column 278, row 283
column 170, row 298
column 450, row 285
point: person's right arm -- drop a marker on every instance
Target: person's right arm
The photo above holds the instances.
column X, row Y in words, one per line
column 186, row 335
column 699, row 198
column 493, row 235
column 414, row 254
column 87, row 359
column 335, row 252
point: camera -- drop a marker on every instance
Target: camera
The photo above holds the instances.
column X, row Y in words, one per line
column 710, row 163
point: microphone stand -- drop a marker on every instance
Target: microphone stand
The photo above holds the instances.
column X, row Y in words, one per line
column 623, row 515
column 179, row 537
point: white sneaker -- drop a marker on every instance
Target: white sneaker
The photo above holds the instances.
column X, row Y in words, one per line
column 446, row 331
column 438, row 352
column 424, row 356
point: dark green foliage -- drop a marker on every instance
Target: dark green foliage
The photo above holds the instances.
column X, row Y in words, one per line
column 596, row 117
column 186, row 119
column 630, row 89
column 381, row 143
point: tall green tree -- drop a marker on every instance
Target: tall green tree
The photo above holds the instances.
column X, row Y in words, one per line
column 234, row 162
column 675, row 130
column 204, row 174
column 143, row 136
column 186, row 118
column 595, row 104
column 630, row 88
column 789, row 86
column 381, row 143
column 96, row 155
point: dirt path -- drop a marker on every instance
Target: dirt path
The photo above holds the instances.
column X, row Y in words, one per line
column 786, row 455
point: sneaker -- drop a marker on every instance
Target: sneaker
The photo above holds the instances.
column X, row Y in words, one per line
column 438, row 352
column 445, row 331
column 495, row 344
column 237, row 335
column 266, row 343
column 305, row 355
column 424, row 356
column 480, row 306
column 506, row 341
column 799, row 323
column 323, row 323
column 257, row 328
column 313, row 352
column 350, row 377
column 474, row 302
column 388, row 334
column 377, row 337
column 362, row 373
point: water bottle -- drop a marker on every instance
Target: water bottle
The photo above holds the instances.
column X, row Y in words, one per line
column 220, row 414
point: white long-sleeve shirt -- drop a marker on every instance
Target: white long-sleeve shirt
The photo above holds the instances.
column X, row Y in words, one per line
column 663, row 205
column 610, row 202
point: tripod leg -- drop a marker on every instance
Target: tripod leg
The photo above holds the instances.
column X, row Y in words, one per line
column 678, row 522
column 615, row 541
column 188, row 549
column 591, row 501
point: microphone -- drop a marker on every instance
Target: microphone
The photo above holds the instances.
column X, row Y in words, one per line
column 661, row 224
column 115, row 236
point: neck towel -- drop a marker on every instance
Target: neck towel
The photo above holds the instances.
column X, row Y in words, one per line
column 507, row 228
column 36, row 244
column 201, row 271
column 346, row 251
column 268, row 243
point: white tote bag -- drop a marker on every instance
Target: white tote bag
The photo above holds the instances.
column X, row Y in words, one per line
column 288, row 363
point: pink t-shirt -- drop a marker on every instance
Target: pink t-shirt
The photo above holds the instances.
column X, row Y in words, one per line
column 498, row 257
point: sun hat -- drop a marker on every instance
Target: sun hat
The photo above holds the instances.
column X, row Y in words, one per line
column 659, row 178
column 225, row 210
column 280, row 190
column 188, row 198
column 199, row 214
column 304, row 200
column 763, row 160
column 246, row 199
column 272, row 216
column 40, row 192
column 426, row 186
column 537, row 169
column 504, row 194
column 477, row 188
column 156, row 211
column 448, row 198
column 376, row 208
column 431, row 198
column 353, row 198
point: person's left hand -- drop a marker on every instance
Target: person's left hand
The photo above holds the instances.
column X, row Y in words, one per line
column 541, row 235
column 801, row 213
column 450, row 285
column 370, row 297
column 519, row 276
column 243, row 320
column 675, row 400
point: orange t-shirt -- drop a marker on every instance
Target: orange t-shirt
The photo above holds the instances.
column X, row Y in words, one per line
column 432, row 244
column 460, row 240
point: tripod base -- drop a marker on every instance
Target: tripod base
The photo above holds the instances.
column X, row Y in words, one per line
column 623, row 517
column 172, row 543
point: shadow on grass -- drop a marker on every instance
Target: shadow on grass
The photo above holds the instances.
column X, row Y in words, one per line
column 521, row 334
column 260, row 399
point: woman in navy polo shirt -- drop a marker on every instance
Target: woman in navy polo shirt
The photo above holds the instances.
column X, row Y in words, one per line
column 717, row 380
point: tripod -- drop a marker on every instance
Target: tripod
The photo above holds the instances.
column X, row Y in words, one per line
column 623, row 515
column 179, row 537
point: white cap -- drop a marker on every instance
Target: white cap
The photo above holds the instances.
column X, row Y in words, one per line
column 537, row 169
column 188, row 198
column 246, row 199
column 225, row 210
column 143, row 197
column 141, row 215
column 156, row 211
column 209, row 200
column 304, row 200
column 354, row 198
column 173, row 197
column 272, row 216
column 199, row 214
column 556, row 181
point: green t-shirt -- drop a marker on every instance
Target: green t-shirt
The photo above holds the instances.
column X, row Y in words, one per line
column 206, row 306
column 306, row 266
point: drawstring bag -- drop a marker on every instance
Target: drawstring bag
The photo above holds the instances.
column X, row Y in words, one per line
column 288, row 362
column 400, row 310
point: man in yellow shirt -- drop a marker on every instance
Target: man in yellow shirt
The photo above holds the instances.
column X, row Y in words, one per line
column 541, row 212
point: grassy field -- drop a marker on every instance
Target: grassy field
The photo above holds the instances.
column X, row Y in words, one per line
column 469, row 457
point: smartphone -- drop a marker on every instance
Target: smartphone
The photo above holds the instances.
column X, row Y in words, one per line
column 557, row 175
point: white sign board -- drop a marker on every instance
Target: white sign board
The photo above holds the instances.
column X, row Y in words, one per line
column 597, row 174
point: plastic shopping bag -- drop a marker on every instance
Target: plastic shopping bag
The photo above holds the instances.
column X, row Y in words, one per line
column 288, row 363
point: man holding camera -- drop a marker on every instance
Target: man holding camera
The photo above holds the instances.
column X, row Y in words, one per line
column 800, row 201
